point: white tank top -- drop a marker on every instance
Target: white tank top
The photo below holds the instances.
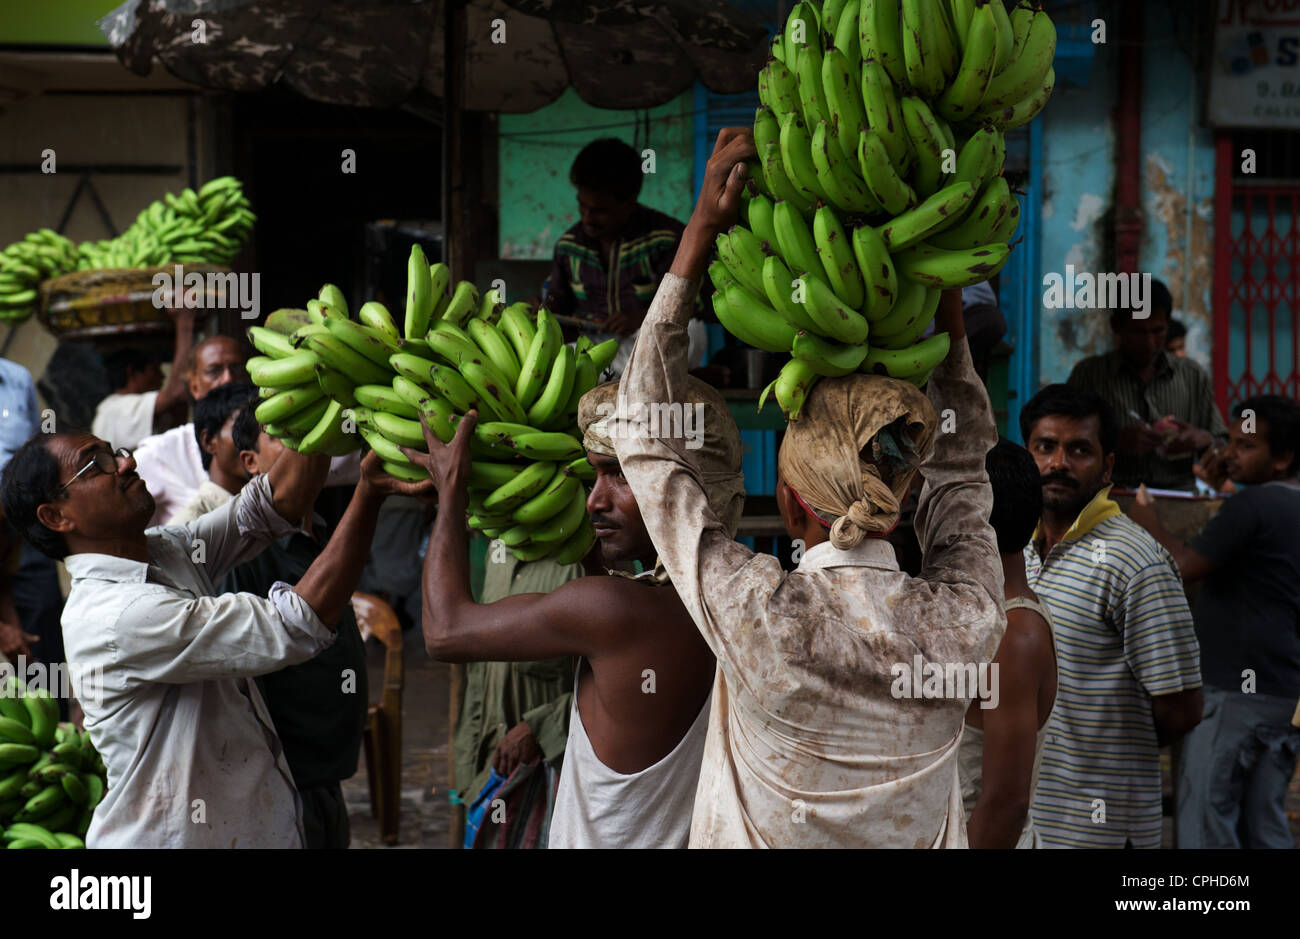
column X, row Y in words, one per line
column 970, row 751
column 596, row 807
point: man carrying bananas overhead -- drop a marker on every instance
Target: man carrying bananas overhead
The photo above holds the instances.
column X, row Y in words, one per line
column 641, row 689
column 815, row 737
column 194, row 760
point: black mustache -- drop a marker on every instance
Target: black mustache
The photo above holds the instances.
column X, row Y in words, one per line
column 1061, row 477
column 602, row 521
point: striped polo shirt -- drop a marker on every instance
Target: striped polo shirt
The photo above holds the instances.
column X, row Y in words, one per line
column 1123, row 634
column 1180, row 387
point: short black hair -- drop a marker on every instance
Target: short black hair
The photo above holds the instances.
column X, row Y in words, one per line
column 120, row 361
column 1176, row 331
column 1282, row 415
column 1068, row 401
column 1017, row 495
column 1159, row 300
column 608, row 165
column 246, row 430
column 30, row 479
column 215, row 408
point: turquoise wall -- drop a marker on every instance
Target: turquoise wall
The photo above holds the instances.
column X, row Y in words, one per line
column 536, row 150
column 1177, row 187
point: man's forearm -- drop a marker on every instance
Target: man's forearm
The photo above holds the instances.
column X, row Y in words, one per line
column 446, row 569
column 693, row 252
column 173, row 392
column 296, row 480
column 328, row 584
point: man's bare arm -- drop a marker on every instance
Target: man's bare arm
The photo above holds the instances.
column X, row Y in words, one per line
column 1010, row 735
column 1176, row 714
column 173, row 397
column 296, row 480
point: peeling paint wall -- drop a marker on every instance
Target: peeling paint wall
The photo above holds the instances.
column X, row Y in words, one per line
column 537, row 149
column 1177, row 172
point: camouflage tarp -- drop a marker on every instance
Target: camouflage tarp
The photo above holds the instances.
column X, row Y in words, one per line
column 522, row 53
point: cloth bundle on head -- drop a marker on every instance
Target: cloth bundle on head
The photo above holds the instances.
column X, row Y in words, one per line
column 821, row 455
column 718, row 455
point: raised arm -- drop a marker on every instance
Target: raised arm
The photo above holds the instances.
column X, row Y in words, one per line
column 957, row 543
column 169, row 406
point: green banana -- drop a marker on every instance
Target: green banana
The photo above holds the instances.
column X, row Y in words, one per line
column 742, row 269
column 68, row 840
column 906, row 363
column 1027, row 109
column 74, row 788
column 536, row 367
column 880, row 280
column 439, row 281
column 582, row 468
column 758, row 216
column 1004, row 229
column 389, row 451
column 45, row 802
column 576, row 548
column 12, row 731
column 751, row 320
column 934, row 214
column 371, row 343
column 336, row 386
column 517, row 325
column 521, row 487
column 292, row 370
column 834, row 320
column 278, row 407
column 807, row 70
column 920, row 52
column 490, row 306
column 832, row 15
column 949, row 269
column 779, row 183
column 451, row 386
column 488, row 475
column 795, row 242
column 44, row 712
column 332, row 351
column 928, row 142
column 961, row 13
column 837, row 258
column 11, row 784
column 270, row 343
column 981, row 157
column 782, row 92
column 384, row 398
column 1021, row 77
column 884, row 184
column 550, row 501
column 778, row 285
column 796, row 157
column 844, row 28
column 495, row 397
column 453, row 344
column 407, row 471
column 440, row 416
column 333, row 298
column 11, row 706
column 981, row 220
column 413, row 368
column 908, row 315
column 585, row 378
column 328, row 436
column 411, row 393
column 400, row 430
column 841, row 86
column 964, row 94
column 565, row 523
column 879, row 35
column 1005, row 35
column 95, row 786
column 464, row 301
column 28, row 831
column 884, row 117
column 835, row 176
column 827, row 358
column 553, row 400
column 296, row 425
column 419, row 294
column 548, row 445
column 792, row 386
column 497, row 348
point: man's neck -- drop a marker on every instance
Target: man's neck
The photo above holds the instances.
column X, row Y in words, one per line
column 133, row 548
column 232, row 484
column 1055, row 525
column 1016, row 584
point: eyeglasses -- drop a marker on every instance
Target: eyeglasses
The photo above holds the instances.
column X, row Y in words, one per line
column 103, row 461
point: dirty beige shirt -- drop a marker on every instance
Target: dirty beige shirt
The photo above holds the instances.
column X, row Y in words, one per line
column 807, row 746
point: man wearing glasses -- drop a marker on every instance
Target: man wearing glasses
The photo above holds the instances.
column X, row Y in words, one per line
column 193, row 757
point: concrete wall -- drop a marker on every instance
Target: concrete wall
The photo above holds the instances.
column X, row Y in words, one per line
column 537, row 149
column 1177, row 193
column 128, row 129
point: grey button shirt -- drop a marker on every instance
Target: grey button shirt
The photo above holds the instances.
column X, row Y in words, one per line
column 193, row 758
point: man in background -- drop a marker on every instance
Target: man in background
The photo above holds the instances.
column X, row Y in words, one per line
column 141, row 404
column 608, row 266
column 1129, row 675
column 1236, row 765
column 171, row 463
column 1164, row 403
column 214, row 422
column 1176, row 339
